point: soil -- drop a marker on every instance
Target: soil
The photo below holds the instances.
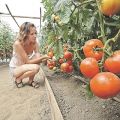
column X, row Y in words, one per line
column 26, row 103
column 74, row 101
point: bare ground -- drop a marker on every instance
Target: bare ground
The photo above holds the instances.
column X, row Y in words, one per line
column 76, row 104
column 26, row 103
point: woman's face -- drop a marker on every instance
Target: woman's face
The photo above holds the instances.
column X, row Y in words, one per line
column 32, row 35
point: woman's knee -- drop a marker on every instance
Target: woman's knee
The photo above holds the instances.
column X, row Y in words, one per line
column 25, row 68
column 36, row 68
column 17, row 72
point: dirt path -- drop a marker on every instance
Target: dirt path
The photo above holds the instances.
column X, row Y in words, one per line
column 26, row 103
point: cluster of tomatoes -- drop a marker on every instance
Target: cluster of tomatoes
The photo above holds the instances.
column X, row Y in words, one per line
column 67, row 66
column 51, row 63
column 65, row 63
column 103, row 84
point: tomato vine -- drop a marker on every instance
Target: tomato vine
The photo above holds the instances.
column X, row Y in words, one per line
column 79, row 22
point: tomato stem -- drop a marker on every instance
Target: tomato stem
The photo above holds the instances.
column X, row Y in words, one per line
column 101, row 22
column 117, row 37
column 83, row 3
column 76, row 53
column 105, row 48
column 114, row 39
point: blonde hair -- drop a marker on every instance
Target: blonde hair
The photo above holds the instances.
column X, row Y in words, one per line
column 24, row 31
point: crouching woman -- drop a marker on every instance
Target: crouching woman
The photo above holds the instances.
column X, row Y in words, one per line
column 26, row 57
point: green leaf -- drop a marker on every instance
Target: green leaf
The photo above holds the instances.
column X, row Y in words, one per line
column 65, row 15
column 58, row 49
column 89, row 92
column 61, row 4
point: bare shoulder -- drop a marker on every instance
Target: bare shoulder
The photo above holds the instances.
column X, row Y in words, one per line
column 17, row 43
column 17, row 46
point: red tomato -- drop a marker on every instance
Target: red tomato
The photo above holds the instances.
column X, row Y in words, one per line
column 69, row 62
column 61, row 60
column 90, row 46
column 68, row 55
column 110, row 7
column 112, row 64
column 70, row 69
column 64, row 67
column 51, row 67
column 105, row 68
column 105, row 85
column 89, row 67
column 51, row 64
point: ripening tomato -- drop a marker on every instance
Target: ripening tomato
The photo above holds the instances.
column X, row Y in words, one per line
column 89, row 67
column 61, row 60
column 51, row 64
column 50, row 54
column 64, row 67
column 105, row 85
column 89, row 49
column 112, row 64
column 50, row 67
column 69, row 62
column 110, row 7
column 70, row 69
column 57, row 18
column 68, row 55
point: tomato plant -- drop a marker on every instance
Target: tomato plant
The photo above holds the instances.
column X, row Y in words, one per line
column 90, row 49
column 84, row 31
column 7, row 36
column 89, row 67
column 105, row 85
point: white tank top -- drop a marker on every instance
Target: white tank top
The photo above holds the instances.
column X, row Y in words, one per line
column 17, row 61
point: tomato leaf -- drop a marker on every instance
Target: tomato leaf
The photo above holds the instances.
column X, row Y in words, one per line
column 89, row 92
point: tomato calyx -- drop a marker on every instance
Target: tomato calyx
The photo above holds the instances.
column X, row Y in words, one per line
column 93, row 48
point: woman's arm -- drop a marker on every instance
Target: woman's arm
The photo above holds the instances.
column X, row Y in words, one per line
column 21, row 52
column 37, row 46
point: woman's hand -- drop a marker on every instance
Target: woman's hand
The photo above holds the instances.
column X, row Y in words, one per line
column 46, row 57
